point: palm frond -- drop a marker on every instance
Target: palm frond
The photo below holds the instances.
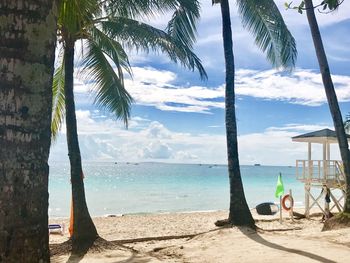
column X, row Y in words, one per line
column 147, row 38
column 182, row 25
column 58, row 100
column 109, row 87
column 263, row 19
column 74, row 14
column 112, row 49
column 142, row 8
column 135, row 8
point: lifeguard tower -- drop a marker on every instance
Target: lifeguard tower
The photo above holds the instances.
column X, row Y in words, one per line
column 327, row 175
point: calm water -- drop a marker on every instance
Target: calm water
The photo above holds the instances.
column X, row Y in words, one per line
column 155, row 187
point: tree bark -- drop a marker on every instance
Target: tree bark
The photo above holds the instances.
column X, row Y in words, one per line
column 84, row 230
column 27, row 48
column 239, row 213
column 331, row 97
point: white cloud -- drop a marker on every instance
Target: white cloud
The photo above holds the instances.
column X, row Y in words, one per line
column 300, row 87
column 79, row 86
column 274, row 146
column 152, row 87
column 296, row 127
column 156, row 150
column 157, row 130
column 151, row 75
column 159, row 89
column 155, row 142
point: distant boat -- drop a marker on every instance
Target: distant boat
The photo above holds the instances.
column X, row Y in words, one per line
column 257, row 164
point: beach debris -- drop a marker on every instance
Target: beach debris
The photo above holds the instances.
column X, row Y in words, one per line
column 222, row 222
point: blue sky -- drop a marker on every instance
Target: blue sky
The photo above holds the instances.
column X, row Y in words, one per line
column 179, row 118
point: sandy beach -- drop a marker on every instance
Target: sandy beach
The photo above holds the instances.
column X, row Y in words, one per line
column 193, row 237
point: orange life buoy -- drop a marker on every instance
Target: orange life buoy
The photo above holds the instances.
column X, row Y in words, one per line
column 284, row 199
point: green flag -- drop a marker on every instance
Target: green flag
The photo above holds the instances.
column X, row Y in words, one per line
column 279, row 187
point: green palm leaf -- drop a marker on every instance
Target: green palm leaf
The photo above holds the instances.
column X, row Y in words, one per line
column 58, row 100
column 182, row 25
column 264, row 20
column 112, row 49
column 74, row 14
column 147, row 38
column 135, row 8
column 109, row 87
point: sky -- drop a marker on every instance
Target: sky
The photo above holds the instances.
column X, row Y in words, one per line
column 179, row 118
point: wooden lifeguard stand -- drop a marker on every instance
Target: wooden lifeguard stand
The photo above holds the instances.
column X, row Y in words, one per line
column 325, row 174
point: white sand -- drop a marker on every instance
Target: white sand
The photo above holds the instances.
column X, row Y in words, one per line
column 306, row 243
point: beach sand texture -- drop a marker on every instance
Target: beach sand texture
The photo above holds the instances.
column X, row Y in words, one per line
column 193, row 237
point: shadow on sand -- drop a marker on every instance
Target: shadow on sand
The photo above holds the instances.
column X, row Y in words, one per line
column 100, row 245
column 257, row 238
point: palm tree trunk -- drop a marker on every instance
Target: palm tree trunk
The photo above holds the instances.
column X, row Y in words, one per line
column 84, row 230
column 239, row 213
column 26, row 63
column 331, row 97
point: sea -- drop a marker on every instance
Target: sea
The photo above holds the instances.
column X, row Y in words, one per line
column 141, row 188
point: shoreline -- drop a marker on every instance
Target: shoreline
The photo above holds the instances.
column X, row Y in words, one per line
column 297, row 209
column 144, row 214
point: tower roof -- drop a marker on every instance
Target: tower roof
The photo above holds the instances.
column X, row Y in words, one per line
column 321, row 136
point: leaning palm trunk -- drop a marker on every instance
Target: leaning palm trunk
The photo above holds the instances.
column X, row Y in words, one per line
column 84, row 231
column 27, row 46
column 102, row 25
column 331, row 97
column 239, row 213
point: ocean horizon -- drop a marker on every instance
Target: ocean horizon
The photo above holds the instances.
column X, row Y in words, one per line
column 149, row 187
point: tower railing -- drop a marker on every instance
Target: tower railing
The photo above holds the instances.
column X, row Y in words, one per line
column 320, row 172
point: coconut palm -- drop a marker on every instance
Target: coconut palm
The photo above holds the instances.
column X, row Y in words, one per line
column 27, row 48
column 263, row 19
column 105, row 28
column 330, row 92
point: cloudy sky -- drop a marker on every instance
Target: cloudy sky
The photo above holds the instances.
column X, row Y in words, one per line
column 179, row 118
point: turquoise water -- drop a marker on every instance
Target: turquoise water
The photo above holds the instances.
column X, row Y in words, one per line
column 156, row 187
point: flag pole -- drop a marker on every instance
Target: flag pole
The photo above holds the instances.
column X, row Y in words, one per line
column 280, row 209
column 291, row 206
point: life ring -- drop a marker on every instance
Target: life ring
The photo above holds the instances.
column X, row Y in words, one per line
column 290, row 199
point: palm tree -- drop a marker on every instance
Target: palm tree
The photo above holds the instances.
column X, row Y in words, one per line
column 263, row 19
column 104, row 27
column 330, row 92
column 27, row 50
